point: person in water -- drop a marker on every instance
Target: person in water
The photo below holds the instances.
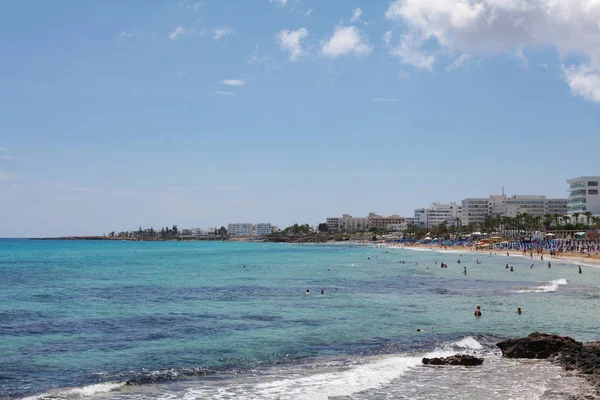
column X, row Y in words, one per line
column 519, row 310
column 478, row 311
column 322, row 291
column 458, row 261
column 506, row 266
column 307, row 292
column 579, row 268
column 549, row 265
column 511, row 269
column 465, row 271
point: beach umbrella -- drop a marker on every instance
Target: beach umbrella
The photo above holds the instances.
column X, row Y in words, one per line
column 550, row 234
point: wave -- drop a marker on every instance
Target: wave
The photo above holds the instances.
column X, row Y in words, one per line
column 469, row 343
column 78, row 392
column 551, row 286
column 317, row 379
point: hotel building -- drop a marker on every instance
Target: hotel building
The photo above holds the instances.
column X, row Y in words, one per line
column 583, row 195
column 438, row 213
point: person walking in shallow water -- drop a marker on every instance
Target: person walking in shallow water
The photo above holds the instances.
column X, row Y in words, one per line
column 519, row 310
column 478, row 311
column 579, row 268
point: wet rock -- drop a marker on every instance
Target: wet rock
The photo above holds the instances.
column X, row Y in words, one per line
column 538, row 345
column 458, row 359
column 583, row 358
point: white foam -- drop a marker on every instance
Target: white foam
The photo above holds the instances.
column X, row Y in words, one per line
column 343, row 381
column 469, row 343
column 551, row 286
column 78, row 392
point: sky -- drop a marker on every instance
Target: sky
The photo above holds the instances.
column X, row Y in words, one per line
column 120, row 114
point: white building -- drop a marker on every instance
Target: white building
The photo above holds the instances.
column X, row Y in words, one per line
column 557, row 206
column 263, row 229
column 240, row 229
column 475, row 209
column 583, row 196
column 438, row 213
column 348, row 223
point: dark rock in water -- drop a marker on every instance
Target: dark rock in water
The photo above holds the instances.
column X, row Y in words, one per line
column 572, row 355
column 537, row 345
column 458, row 359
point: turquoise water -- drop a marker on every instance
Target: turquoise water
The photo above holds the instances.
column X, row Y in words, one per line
column 187, row 320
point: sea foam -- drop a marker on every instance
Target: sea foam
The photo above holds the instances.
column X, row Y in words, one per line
column 78, row 392
column 551, row 286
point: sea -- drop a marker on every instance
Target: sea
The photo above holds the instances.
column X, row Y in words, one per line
column 222, row 320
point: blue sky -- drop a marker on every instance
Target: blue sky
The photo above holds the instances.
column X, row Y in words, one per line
column 199, row 113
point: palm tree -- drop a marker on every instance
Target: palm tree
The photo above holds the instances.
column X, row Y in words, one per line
column 566, row 219
column 576, row 215
column 547, row 221
column 556, row 220
column 588, row 215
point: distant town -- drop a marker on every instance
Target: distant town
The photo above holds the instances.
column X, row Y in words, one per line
column 494, row 213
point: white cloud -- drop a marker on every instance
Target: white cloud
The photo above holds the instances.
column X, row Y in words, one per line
column 494, row 27
column 178, row 31
column 192, row 5
column 346, row 40
column 182, row 73
column 130, row 34
column 279, row 2
column 584, row 81
column 385, row 100
column 222, row 93
column 459, row 63
column 233, row 82
column 356, row 14
column 310, row 10
column 545, row 66
column 291, row 41
column 220, row 33
column 8, row 176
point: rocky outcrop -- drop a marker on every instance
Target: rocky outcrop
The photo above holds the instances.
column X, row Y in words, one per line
column 458, row 359
column 572, row 355
column 538, row 345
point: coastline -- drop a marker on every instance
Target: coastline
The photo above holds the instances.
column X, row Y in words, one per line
column 575, row 259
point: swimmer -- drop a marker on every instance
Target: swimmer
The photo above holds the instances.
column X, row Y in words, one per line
column 478, row 311
column 307, row 292
column 458, row 261
column 549, row 265
column 322, row 291
column 244, row 266
column 519, row 310
column 511, row 269
column 506, row 266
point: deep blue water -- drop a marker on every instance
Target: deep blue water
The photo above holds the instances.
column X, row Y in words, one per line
column 75, row 313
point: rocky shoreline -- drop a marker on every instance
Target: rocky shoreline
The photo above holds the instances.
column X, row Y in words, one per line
column 572, row 355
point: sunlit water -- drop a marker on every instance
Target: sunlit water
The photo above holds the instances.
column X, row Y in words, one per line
column 187, row 320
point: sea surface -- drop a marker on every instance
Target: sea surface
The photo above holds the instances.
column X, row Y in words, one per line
column 219, row 320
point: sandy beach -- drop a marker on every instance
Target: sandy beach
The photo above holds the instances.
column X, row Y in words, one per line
column 591, row 261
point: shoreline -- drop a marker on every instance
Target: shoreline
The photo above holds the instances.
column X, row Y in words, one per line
column 575, row 259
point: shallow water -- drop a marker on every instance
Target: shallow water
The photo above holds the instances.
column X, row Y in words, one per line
column 187, row 320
